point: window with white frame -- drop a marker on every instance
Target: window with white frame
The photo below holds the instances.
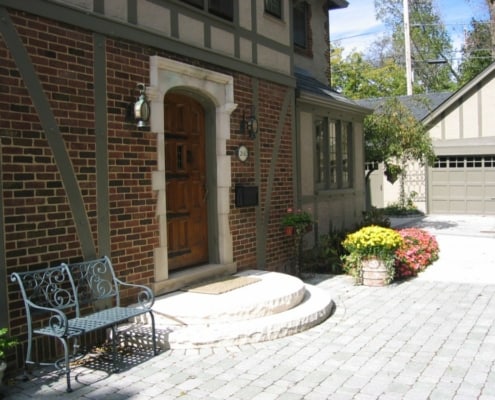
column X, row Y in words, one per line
column 333, row 154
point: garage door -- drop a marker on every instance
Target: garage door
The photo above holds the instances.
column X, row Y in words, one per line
column 462, row 185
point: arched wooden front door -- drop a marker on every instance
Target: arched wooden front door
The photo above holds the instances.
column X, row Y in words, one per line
column 186, row 188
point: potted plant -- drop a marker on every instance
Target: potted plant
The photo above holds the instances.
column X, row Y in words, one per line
column 392, row 172
column 371, row 255
column 6, row 342
column 297, row 222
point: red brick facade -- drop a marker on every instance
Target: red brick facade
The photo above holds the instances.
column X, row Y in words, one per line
column 39, row 226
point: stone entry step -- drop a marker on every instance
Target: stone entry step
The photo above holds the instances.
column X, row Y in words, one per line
column 277, row 305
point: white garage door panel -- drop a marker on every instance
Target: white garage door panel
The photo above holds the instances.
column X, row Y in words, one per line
column 472, row 207
column 457, row 191
column 476, row 192
column 463, row 185
column 490, row 190
column 490, row 207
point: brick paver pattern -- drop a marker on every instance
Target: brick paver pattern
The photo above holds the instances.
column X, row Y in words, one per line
column 413, row 340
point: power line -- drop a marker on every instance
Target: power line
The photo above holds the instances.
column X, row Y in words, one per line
column 338, row 39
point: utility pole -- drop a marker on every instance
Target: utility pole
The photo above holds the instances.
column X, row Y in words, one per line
column 407, row 42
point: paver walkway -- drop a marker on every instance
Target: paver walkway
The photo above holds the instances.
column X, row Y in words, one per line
column 425, row 338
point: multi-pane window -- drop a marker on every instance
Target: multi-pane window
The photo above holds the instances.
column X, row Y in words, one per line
column 319, row 152
column 487, row 161
column 300, row 15
column 220, row 8
column 274, row 7
column 333, row 154
column 345, row 154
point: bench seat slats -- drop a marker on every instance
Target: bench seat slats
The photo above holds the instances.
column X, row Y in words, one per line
column 116, row 314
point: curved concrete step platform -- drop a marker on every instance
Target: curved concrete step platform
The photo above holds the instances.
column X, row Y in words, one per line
column 278, row 305
column 273, row 293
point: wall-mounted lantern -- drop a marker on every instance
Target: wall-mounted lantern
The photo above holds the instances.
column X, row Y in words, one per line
column 250, row 124
column 139, row 112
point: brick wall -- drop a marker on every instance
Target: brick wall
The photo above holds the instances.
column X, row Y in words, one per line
column 38, row 222
column 270, row 99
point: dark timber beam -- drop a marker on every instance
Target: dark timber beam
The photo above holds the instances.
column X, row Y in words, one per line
column 52, row 131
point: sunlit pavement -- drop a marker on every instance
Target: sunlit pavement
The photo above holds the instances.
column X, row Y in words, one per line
column 430, row 337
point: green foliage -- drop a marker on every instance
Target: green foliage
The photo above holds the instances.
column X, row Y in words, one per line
column 392, row 172
column 326, row 255
column 298, row 219
column 375, row 217
column 381, row 71
column 368, row 242
column 392, row 133
column 430, row 43
column 358, row 78
column 6, row 342
column 476, row 52
column 398, row 209
column 395, row 137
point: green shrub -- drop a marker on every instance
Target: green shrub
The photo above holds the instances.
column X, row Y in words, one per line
column 376, row 217
column 326, row 256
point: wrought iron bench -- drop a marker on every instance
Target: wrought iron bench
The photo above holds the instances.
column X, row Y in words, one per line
column 63, row 292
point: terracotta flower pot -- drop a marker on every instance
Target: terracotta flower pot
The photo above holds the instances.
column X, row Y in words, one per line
column 374, row 272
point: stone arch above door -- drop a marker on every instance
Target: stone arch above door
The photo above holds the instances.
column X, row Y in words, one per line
column 218, row 90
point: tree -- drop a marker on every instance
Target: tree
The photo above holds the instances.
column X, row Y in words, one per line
column 491, row 9
column 393, row 136
column 476, row 52
column 357, row 78
column 431, row 45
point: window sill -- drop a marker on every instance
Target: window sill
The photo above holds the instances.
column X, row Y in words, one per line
column 335, row 192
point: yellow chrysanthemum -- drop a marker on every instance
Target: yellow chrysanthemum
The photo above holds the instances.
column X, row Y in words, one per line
column 373, row 240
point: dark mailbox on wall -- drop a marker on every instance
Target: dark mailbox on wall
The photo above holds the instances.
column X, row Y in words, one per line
column 246, row 196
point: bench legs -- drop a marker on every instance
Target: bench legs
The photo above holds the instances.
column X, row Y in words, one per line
column 67, row 363
column 153, row 333
column 116, row 365
column 66, row 359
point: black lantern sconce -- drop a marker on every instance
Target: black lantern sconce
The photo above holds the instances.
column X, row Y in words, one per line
column 139, row 112
column 250, row 125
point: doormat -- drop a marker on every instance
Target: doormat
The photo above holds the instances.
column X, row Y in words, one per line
column 222, row 285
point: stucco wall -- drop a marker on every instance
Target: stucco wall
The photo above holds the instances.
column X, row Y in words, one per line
column 470, row 118
column 318, row 63
column 267, row 36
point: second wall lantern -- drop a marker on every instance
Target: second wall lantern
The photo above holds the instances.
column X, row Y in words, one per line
column 249, row 125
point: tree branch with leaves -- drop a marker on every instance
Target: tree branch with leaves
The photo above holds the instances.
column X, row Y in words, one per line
column 393, row 136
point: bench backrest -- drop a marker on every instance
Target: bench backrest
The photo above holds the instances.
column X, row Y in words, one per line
column 95, row 281
column 47, row 288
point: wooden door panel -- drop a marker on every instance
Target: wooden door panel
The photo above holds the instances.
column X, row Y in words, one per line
column 185, row 182
column 178, row 203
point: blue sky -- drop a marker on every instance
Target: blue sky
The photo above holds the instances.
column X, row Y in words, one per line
column 355, row 26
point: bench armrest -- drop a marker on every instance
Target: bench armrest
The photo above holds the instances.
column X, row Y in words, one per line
column 145, row 297
column 57, row 322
